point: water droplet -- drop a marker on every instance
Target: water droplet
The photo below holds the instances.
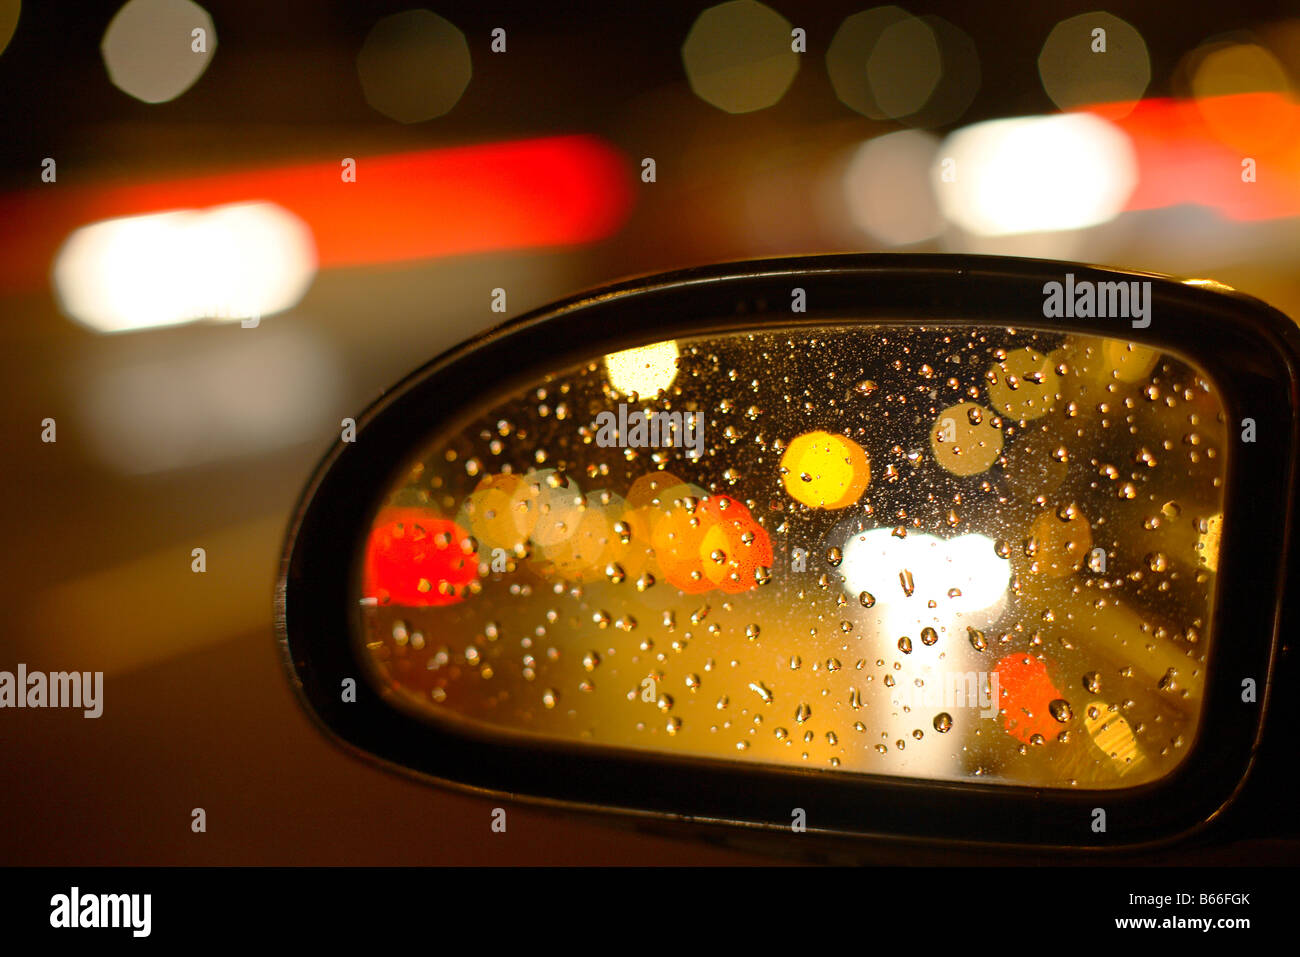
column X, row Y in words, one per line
column 550, row 697
column 1060, row 710
column 867, row 599
column 929, row 636
column 905, row 579
column 591, row 660
column 943, row 722
column 977, row 639
column 1002, row 548
column 762, row 690
column 905, row 645
column 802, row 713
column 834, row 556
column 1092, row 682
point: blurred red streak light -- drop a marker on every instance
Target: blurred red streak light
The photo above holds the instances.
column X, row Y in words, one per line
column 1181, row 161
column 406, row 206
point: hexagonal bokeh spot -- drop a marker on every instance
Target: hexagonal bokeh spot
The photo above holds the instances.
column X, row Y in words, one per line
column 739, row 56
column 1094, row 58
column 155, row 50
column 414, row 66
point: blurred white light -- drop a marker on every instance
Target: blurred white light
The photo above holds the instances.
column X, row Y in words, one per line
column 155, row 50
column 962, row 576
column 229, row 262
column 1034, row 174
column 887, row 188
column 244, row 395
column 643, row 370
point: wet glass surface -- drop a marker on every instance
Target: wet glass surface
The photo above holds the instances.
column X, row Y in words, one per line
column 936, row 552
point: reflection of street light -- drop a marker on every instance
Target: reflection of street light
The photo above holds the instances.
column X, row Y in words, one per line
column 928, row 591
column 962, row 576
column 645, row 370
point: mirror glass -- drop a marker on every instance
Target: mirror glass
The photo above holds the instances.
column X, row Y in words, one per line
column 949, row 552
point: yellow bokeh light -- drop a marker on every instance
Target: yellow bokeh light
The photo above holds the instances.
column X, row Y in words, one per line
column 1128, row 361
column 549, row 504
column 494, row 517
column 822, row 470
column 739, row 57
column 1222, row 74
column 884, row 63
column 9, row 12
column 643, row 371
column 964, row 440
column 1096, row 60
column 1057, row 546
column 1024, row 385
column 584, row 554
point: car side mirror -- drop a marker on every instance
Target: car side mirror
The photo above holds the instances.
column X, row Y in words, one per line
column 933, row 547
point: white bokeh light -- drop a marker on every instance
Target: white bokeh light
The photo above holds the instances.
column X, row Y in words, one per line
column 162, row 269
column 1034, row 174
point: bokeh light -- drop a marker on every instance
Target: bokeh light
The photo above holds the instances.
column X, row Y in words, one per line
column 964, row 439
column 1027, row 693
column 140, row 272
column 884, row 63
column 644, row 370
column 10, row 10
column 822, row 470
column 1035, row 174
column 1075, row 70
column 1226, row 80
column 1058, row 543
column 738, row 56
column 904, row 67
column 945, row 578
column 887, row 188
column 414, row 66
column 959, row 80
column 490, row 513
column 1024, row 385
column 413, row 557
column 149, row 48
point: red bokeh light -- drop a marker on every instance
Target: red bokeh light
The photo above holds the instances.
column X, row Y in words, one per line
column 413, row 557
